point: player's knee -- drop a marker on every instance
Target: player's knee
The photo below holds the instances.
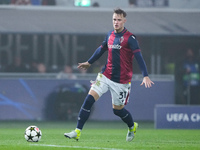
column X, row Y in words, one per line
column 94, row 94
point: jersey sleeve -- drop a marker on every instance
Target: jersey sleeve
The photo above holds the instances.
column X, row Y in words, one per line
column 96, row 55
column 141, row 63
column 104, row 45
column 133, row 44
column 98, row 52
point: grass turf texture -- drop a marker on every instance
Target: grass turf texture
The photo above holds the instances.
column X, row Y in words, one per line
column 97, row 135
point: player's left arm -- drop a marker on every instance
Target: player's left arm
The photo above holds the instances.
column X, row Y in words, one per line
column 146, row 80
column 138, row 55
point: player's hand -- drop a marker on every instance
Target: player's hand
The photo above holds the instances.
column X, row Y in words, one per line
column 84, row 65
column 147, row 82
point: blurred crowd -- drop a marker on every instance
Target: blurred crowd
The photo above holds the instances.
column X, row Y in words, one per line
column 35, row 66
column 187, row 78
column 18, row 66
column 39, row 2
column 93, row 3
column 183, row 4
column 28, row 2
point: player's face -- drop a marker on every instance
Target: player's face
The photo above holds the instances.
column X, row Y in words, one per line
column 118, row 22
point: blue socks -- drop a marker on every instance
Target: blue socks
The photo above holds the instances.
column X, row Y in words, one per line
column 125, row 116
column 84, row 112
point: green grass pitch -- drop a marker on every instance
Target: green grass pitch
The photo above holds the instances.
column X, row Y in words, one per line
column 96, row 136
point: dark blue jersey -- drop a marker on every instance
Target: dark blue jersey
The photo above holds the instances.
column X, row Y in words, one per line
column 121, row 47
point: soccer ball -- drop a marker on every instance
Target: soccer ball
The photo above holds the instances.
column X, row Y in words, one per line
column 33, row 134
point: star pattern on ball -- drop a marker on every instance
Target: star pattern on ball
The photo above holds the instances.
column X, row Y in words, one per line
column 30, row 137
column 38, row 134
column 32, row 128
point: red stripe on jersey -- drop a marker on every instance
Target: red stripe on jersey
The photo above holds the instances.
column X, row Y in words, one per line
column 137, row 50
column 126, row 57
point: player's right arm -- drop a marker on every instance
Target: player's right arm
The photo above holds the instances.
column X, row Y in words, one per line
column 84, row 65
column 96, row 55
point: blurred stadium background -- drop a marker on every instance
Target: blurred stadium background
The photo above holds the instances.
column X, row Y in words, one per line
column 42, row 41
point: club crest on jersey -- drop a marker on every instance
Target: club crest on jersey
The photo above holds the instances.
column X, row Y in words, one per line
column 121, row 39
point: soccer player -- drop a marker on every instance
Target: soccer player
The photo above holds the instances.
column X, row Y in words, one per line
column 116, row 75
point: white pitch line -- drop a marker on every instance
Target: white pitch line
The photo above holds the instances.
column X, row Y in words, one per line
column 85, row 147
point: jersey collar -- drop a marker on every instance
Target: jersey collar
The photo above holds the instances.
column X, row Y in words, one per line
column 122, row 32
